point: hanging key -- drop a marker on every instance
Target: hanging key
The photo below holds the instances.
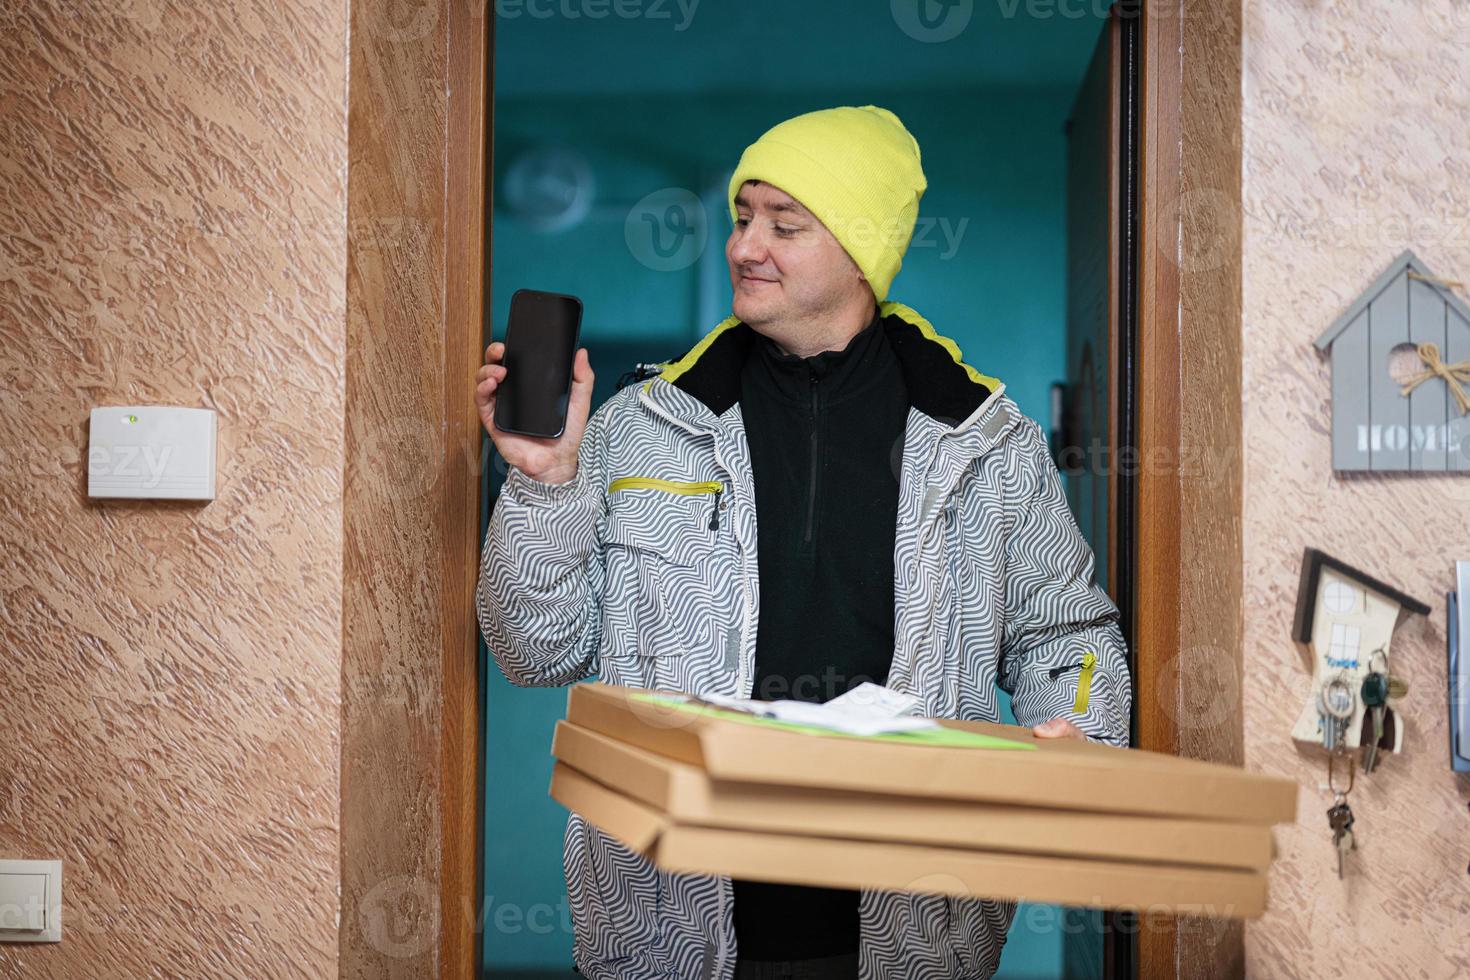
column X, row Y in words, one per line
column 1340, row 820
column 1346, row 842
column 1375, row 699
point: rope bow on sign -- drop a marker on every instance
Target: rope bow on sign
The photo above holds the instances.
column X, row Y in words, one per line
column 1456, row 376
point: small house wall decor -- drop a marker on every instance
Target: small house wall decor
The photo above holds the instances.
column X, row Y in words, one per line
column 1419, row 417
column 1347, row 618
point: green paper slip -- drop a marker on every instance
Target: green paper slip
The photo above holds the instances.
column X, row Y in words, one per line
column 945, row 737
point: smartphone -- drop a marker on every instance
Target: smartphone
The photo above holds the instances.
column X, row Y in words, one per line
column 540, row 346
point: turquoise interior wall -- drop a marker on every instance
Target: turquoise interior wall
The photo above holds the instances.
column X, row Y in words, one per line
column 987, row 273
column 985, row 266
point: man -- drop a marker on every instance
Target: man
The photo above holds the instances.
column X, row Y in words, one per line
column 820, row 492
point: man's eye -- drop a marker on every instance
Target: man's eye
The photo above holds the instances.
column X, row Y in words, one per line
column 785, row 231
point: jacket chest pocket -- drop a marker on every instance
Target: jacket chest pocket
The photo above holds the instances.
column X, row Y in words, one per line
column 665, row 567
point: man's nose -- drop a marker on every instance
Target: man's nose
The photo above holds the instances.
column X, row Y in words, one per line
column 749, row 247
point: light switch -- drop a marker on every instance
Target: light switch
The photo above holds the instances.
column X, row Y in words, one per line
column 22, row 901
column 30, row 901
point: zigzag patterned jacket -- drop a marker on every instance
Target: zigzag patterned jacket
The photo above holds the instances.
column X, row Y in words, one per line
column 642, row 569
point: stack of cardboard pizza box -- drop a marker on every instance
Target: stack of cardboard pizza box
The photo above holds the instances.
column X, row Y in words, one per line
column 965, row 808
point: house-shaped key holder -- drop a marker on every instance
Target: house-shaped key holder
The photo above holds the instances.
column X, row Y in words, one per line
column 1346, row 618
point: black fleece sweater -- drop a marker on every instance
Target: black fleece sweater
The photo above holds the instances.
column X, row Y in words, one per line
column 826, row 441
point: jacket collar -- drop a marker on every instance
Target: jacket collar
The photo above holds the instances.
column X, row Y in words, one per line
column 706, row 380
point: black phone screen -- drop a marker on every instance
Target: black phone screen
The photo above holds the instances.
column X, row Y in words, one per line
column 540, row 345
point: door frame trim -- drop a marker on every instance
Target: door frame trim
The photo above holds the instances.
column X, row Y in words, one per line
column 1189, row 576
column 411, row 824
column 469, row 142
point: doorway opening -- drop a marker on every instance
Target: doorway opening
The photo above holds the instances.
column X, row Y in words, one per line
column 614, row 140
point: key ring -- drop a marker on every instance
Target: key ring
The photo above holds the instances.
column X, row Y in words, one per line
column 1381, row 654
column 1351, row 775
column 1336, row 696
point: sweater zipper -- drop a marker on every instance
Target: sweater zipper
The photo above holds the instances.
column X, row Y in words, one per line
column 811, row 500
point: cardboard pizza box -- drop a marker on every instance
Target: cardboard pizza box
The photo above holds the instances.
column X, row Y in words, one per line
column 974, row 761
column 890, row 865
column 688, row 795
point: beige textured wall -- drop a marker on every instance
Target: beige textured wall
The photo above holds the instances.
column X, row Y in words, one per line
column 173, row 230
column 1356, row 145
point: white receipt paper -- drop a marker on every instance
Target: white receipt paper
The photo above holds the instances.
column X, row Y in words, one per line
column 868, row 709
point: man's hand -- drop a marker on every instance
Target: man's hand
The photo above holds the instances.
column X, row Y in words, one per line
column 546, row 460
column 1058, row 728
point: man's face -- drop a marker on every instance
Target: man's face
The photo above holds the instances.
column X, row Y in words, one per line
column 785, row 266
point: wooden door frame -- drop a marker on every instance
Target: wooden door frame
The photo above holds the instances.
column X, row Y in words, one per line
column 419, row 123
column 1187, row 630
column 419, row 106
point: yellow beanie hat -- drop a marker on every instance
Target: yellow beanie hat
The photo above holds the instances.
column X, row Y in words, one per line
column 856, row 168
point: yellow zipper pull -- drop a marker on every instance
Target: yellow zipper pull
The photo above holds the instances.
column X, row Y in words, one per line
column 1084, row 682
